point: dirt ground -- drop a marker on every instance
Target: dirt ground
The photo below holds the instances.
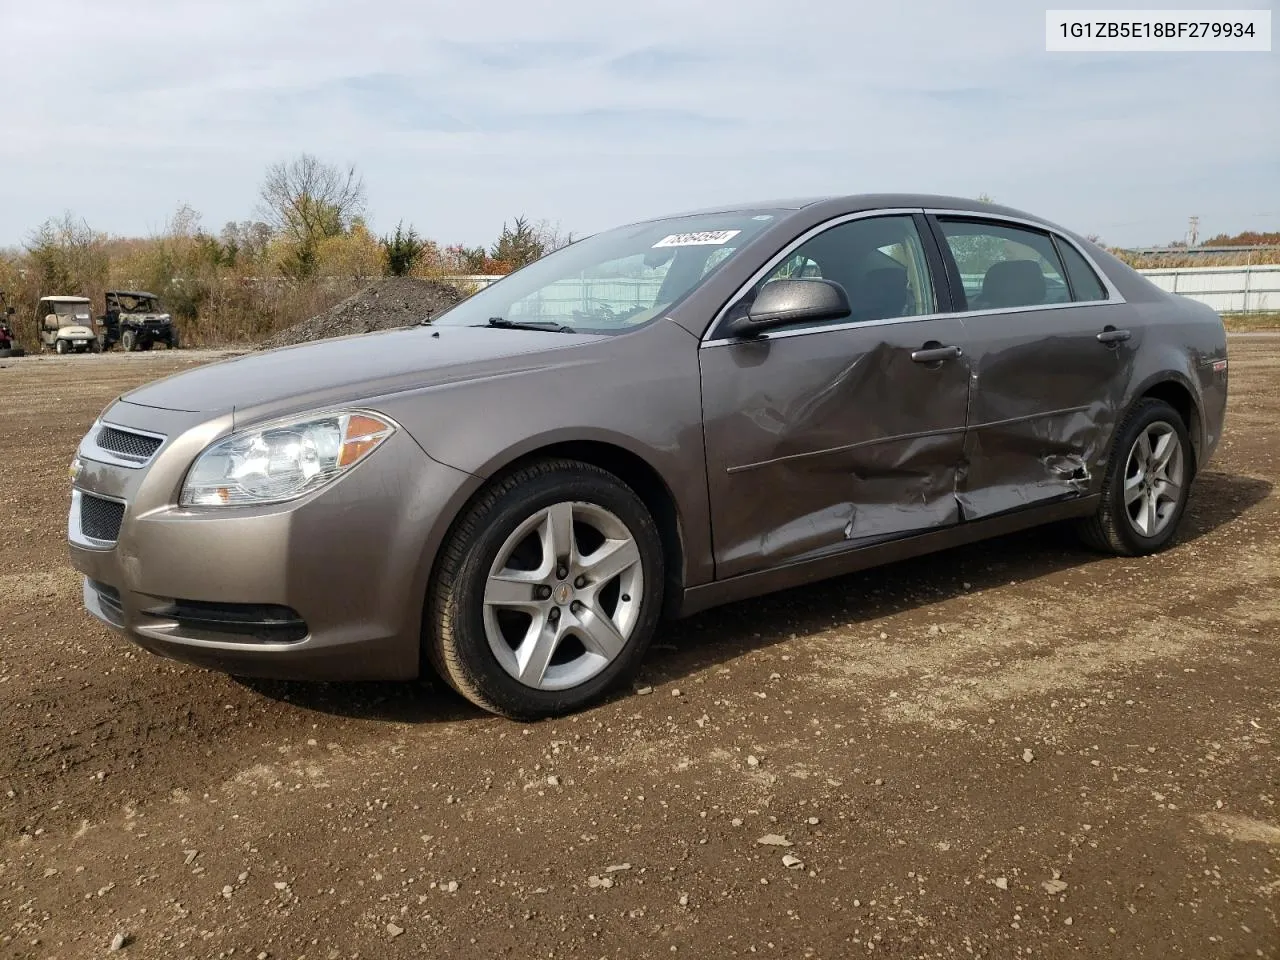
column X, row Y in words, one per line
column 1013, row 749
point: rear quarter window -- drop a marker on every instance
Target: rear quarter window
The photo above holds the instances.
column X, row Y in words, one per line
column 1085, row 285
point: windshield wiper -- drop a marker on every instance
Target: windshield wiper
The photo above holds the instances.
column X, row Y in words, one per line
column 529, row 325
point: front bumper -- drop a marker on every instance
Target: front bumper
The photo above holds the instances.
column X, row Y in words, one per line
column 329, row 586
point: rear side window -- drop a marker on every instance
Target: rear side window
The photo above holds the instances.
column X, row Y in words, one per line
column 1004, row 266
column 1085, row 285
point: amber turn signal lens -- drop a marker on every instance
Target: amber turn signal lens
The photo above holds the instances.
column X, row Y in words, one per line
column 362, row 434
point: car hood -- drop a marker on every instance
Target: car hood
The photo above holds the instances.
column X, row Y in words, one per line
column 74, row 330
column 352, row 369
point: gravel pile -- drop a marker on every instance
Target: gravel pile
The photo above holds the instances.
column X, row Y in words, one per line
column 383, row 305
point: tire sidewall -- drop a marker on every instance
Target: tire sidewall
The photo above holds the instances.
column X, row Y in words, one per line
column 1150, row 412
column 494, row 526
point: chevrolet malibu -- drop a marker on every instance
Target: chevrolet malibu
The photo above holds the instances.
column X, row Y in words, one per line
column 654, row 420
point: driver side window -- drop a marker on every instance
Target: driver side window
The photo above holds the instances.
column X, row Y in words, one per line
column 879, row 261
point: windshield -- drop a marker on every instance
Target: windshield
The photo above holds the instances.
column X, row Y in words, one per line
column 71, row 311
column 131, row 304
column 614, row 281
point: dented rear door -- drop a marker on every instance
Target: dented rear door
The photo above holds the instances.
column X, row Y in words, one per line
column 824, row 440
column 1045, row 397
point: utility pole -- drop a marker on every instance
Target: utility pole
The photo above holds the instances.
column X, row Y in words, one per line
column 1193, row 231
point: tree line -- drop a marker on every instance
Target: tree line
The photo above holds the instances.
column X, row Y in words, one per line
column 307, row 246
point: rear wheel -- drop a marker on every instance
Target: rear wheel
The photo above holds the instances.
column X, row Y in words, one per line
column 548, row 591
column 1144, row 494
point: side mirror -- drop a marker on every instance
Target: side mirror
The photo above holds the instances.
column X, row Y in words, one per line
column 782, row 302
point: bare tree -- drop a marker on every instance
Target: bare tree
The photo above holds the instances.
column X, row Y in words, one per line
column 551, row 236
column 307, row 199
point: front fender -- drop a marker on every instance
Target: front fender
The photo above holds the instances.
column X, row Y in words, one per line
column 638, row 392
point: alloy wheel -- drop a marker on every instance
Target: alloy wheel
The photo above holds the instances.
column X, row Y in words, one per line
column 1153, row 479
column 563, row 595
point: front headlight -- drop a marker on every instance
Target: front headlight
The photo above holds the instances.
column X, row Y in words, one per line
column 282, row 460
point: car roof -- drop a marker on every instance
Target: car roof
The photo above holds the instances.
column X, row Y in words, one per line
column 131, row 293
column 66, row 299
column 857, row 202
column 795, row 203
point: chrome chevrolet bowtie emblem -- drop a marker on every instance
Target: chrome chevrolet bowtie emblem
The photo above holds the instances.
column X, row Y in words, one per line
column 562, row 593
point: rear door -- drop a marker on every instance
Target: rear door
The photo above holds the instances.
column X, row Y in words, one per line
column 822, row 438
column 1050, row 352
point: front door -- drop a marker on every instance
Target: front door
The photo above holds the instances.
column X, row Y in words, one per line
column 1050, row 351
column 822, row 438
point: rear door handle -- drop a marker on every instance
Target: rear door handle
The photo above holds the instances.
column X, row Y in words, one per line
column 1112, row 335
column 935, row 354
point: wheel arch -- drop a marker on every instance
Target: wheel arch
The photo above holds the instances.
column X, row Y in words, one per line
column 608, row 452
column 642, row 477
column 1174, row 389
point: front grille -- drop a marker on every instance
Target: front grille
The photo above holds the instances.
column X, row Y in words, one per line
column 100, row 519
column 125, row 443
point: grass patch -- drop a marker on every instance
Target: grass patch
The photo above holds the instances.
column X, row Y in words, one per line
column 1251, row 322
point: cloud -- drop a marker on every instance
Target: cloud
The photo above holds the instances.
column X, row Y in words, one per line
column 657, row 61
column 519, row 55
column 602, row 113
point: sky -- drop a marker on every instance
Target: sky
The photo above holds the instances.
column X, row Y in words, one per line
column 589, row 114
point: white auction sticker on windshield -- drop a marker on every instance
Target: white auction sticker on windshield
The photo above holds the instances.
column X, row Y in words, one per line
column 705, row 238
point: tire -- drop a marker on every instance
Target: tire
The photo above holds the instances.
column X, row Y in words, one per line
column 61, row 347
column 1149, row 522
column 603, row 627
column 129, row 341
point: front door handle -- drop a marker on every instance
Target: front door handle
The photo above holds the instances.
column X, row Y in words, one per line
column 1112, row 335
column 935, row 353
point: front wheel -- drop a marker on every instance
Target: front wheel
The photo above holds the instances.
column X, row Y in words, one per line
column 548, row 591
column 61, row 347
column 128, row 341
column 1144, row 494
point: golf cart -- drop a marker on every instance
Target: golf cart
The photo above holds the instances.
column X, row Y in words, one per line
column 66, row 324
column 135, row 320
column 8, row 346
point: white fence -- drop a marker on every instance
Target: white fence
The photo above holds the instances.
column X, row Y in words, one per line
column 1227, row 289
column 1252, row 289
